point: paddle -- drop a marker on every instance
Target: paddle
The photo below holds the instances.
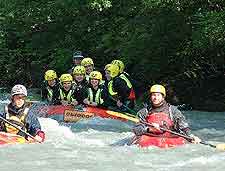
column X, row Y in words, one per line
column 15, row 126
column 123, row 116
column 218, row 146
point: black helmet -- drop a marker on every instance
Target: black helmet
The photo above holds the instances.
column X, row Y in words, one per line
column 77, row 54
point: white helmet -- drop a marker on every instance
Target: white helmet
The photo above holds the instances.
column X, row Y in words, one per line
column 19, row 89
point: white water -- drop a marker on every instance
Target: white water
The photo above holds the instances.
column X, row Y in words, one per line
column 87, row 146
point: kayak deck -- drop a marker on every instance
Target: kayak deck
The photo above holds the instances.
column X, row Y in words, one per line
column 7, row 138
column 159, row 141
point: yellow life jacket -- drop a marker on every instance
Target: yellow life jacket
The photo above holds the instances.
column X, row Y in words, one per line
column 110, row 85
column 17, row 120
column 110, row 88
column 50, row 94
column 67, row 97
column 87, row 77
column 123, row 76
column 97, row 98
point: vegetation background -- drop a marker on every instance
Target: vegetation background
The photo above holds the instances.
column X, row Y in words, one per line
column 179, row 43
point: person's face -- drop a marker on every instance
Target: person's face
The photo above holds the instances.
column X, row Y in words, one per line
column 79, row 77
column 94, row 82
column 89, row 69
column 107, row 75
column 77, row 61
column 19, row 100
column 51, row 82
column 157, row 99
column 67, row 85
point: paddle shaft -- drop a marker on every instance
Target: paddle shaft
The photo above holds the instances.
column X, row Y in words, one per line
column 167, row 130
column 180, row 135
column 15, row 126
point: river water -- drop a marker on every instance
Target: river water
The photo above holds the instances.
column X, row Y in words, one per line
column 89, row 145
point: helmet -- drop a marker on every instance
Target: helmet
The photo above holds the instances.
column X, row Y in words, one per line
column 87, row 61
column 113, row 70
column 79, row 70
column 157, row 88
column 96, row 75
column 77, row 54
column 50, row 75
column 66, row 77
column 19, row 89
column 120, row 64
column 107, row 66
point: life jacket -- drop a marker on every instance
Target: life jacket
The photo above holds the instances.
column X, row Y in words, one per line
column 129, row 85
column 97, row 99
column 17, row 120
column 132, row 93
column 87, row 77
column 164, row 120
column 50, row 93
column 66, row 96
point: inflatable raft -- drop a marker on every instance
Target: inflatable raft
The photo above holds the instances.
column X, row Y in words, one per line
column 6, row 138
column 71, row 114
column 159, row 141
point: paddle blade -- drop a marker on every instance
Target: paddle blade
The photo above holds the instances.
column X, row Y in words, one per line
column 220, row 146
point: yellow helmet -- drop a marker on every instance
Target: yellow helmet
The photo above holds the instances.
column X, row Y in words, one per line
column 107, row 66
column 96, row 75
column 87, row 61
column 120, row 64
column 113, row 70
column 157, row 88
column 65, row 77
column 50, row 75
column 79, row 70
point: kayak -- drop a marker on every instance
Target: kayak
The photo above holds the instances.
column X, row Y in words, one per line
column 70, row 114
column 7, row 138
column 159, row 141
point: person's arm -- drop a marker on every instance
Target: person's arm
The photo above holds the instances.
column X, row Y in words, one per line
column 180, row 122
column 2, row 125
column 181, row 125
column 55, row 97
column 34, row 127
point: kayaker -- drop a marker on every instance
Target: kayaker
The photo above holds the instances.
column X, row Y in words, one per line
column 66, row 92
column 96, row 91
column 88, row 63
column 119, row 89
column 162, row 114
column 80, row 84
column 77, row 58
column 50, row 86
column 18, row 113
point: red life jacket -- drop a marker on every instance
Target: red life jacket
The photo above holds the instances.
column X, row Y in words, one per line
column 163, row 120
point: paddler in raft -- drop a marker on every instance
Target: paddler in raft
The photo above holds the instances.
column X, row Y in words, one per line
column 119, row 89
column 164, row 115
column 96, row 90
column 17, row 112
column 50, row 87
column 77, row 58
column 80, row 86
column 88, row 63
column 65, row 96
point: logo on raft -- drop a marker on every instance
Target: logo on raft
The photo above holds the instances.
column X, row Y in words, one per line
column 74, row 116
